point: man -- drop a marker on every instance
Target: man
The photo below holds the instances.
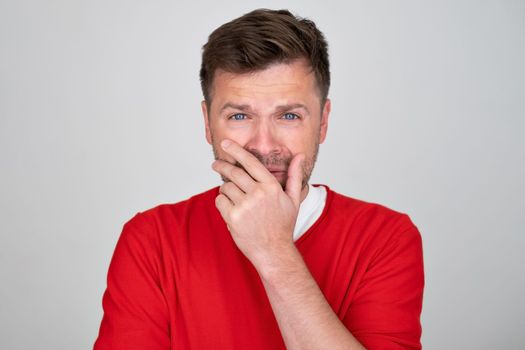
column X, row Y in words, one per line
column 266, row 260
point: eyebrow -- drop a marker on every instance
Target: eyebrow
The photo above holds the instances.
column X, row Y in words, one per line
column 247, row 108
column 244, row 108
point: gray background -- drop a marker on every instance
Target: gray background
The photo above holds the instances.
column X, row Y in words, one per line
column 100, row 119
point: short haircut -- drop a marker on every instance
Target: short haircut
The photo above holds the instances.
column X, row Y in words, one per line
column 260, row 38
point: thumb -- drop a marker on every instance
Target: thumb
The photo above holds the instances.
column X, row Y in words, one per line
column 294, row 183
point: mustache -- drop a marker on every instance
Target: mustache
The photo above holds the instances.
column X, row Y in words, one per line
column 268, row 160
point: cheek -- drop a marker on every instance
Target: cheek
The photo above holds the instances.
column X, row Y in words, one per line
column 239, row 135
column 221, row 130
column 300, row 141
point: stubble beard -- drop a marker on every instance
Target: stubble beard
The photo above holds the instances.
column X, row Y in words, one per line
column 273, row 159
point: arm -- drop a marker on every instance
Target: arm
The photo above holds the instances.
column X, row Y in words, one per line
column 384, row 313
column 305, row 318
column 135, row 312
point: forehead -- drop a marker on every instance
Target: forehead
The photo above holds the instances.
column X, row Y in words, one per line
column 280, row 82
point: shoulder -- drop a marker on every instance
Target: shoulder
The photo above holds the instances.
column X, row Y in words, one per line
column 155, row 220
column 366, row 211
column 377, row 224
column 176, row 209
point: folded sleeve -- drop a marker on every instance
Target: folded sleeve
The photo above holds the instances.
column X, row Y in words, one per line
column 135, row 311
column 385, row 313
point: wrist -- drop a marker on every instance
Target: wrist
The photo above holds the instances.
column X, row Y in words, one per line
column 280, row 263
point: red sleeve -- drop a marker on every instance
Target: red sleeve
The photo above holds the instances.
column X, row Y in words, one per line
column 135, row 312
column 385, row 313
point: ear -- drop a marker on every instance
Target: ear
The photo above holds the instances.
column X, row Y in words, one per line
column 205, row 114
column 324, row 120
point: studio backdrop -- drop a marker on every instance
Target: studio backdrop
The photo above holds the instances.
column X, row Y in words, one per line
column 100, row 119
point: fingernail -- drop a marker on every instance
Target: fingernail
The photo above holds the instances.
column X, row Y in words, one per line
column 226, row 143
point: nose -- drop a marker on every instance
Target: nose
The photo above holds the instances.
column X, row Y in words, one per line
column 264, row 139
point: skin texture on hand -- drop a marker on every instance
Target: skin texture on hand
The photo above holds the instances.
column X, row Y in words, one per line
column 260, row 215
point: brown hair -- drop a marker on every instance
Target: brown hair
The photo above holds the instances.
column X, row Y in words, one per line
column 260, row 38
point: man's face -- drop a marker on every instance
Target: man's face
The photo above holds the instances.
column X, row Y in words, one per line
column 274, row 114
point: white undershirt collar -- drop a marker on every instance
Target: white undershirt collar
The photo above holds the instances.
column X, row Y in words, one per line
column 310, row 210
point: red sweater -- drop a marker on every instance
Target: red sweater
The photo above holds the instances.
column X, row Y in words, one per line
column 178, row 281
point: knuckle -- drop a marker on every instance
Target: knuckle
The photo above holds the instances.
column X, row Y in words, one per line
column 250, row 163
column 258, row 193
column 225, row 187
column 235, row 215
column 275, row 187
column 236, row 172
column 272, row 188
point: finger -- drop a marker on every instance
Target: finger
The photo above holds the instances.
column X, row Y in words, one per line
column 294, row 183
column 235, row 174
column 224, row 206
column 234, row 193
column 252, row 165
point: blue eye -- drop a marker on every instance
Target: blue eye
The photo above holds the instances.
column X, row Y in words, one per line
column 290, row 116
column 238, row 116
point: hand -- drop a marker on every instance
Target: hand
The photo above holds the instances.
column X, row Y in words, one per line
column 259, row 214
